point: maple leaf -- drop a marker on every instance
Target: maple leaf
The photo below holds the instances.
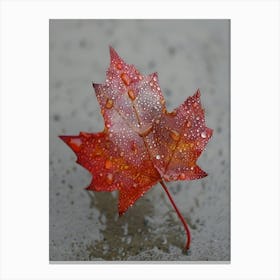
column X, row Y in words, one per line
column 142, row 143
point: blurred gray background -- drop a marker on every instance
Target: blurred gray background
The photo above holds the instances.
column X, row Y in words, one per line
column 187, row 54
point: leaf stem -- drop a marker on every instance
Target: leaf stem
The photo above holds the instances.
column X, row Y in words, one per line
column 188, row 233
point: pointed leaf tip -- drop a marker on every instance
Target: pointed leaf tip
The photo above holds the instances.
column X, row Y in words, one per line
column 197, row 93
column 113, row 53
column 64, row 138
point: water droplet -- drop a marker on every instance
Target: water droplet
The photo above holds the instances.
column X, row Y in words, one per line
column 203, row 134
column 76, row 144
column 125, row 79
column 174, row 135
column 134, row 147
column 182, row 176
column 119, row 66
column 189, row 124
column 109, row 103
column 197, row 118
column 131, row 94
column 109, row 178
column 157, row 156
column 108, row 164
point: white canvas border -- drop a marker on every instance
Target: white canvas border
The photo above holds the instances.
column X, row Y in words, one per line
column 254, row 138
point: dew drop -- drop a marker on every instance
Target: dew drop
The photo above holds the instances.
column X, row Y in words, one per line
column 134, row 147
column 131, row 94
column 157, row 156
column 203, row 134
column 75, row 144
column 108, row 164
column 119, row 66
column 125, row 79
column 109, row 178
column 109, row 103
column 182, row 176
column 174, row 135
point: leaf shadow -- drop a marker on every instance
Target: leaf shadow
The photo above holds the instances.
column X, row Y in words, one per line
column 129, row 234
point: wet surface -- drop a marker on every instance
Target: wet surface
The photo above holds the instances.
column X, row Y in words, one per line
column 85, row 226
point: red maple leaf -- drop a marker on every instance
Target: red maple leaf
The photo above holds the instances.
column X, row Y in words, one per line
column 142, row 144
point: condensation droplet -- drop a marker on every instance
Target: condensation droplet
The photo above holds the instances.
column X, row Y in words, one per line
column 182, row 176
column 134, row 147
column 108, row 164
column 76, row 144
column 125, row 79
column 109, row 103
column 119, row 66
column 131, row 94
column 203, row 134
column 109, row 178
column 157, row 156
column 174, row 135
